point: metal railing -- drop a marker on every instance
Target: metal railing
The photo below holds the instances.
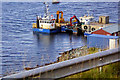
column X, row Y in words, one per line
column 69, row 67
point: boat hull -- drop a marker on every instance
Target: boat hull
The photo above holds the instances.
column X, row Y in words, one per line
column 47, row 30
column 77, row 31
column 55, row 2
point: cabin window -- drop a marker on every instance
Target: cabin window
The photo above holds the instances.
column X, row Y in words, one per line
column 82, row 23
column 41, row 21
column 86, row 19
column 91, row 19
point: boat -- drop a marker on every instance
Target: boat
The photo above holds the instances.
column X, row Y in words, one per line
column 55, row 1
column 46, row 24
column 74, row 27
column 85, row 23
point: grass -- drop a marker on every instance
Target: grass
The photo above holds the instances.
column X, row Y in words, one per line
column 104, row 72
column 93, row 50
column 107, row 71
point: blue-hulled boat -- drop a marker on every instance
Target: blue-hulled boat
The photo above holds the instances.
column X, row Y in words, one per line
column 46, row 24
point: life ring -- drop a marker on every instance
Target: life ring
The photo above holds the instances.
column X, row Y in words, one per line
column 85, row 27
column 93, row 29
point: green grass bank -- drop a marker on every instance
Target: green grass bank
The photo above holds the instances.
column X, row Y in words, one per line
column 111, row 71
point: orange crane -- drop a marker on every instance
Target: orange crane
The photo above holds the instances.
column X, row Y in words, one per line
column 61, row 20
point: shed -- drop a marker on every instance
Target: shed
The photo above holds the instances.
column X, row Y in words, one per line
column 102, row 41
column 104, row 19
column 112, row 30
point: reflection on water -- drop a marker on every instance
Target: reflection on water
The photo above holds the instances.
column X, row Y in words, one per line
column 44, row 39
column 55, row 41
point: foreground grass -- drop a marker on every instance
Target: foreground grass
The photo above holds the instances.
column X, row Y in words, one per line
column 107, row 71
column 93, row 50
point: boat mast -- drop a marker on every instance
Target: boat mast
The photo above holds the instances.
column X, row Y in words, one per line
column 47, row 14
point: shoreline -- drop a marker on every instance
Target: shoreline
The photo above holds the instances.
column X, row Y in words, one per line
column 70, row 54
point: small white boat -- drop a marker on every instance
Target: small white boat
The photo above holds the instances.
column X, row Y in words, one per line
column 55, row 1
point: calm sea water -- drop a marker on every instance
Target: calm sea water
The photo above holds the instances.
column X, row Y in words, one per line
column 22, row 48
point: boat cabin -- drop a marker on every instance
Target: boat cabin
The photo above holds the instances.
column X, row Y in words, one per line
column 85, row 20
column 47, row 24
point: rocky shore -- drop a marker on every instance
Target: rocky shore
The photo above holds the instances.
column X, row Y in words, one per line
column 67, row 55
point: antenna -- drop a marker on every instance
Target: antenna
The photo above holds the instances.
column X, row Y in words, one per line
column 88, row 12
column 46, row 10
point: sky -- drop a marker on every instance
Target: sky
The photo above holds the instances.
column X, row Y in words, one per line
column 60, row 0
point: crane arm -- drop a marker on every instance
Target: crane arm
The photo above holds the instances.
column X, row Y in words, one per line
column 61, row 18
column 75, row 18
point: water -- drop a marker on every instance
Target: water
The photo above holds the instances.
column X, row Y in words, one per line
column 22, row 48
